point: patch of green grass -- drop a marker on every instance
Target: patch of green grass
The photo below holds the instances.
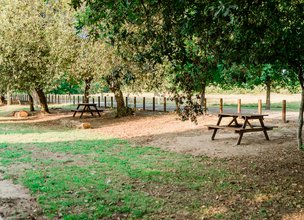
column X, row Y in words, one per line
column 7, row 128
column 107, row 178
column 13, row 155
column 18, row 128
column 110, row 179
column 290, row 106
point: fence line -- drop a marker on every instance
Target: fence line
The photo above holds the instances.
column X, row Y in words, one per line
column 139, row 103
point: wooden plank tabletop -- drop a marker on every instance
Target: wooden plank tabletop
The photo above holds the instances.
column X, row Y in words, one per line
column 241, row 115
column 86, row 104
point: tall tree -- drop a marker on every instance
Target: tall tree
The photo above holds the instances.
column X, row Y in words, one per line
column 182, row 34
column 269, row 31
column 33, row 43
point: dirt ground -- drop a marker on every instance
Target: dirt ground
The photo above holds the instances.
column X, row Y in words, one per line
column 166, row 131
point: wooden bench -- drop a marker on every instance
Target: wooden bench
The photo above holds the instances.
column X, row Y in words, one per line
column 86, row 107
column 239, row 127
column 92, row 110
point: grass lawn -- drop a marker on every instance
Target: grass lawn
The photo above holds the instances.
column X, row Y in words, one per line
column 290, row 106
column 102, row 178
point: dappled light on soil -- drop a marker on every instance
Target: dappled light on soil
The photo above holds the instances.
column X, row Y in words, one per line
column 259, row 178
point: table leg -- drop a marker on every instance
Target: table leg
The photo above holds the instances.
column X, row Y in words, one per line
column 83, row 111
column 76, row 111
column 234, row 120
column 214, row 133
column 265, row 131
column 241, row 133
column 215, row 130
column 97, row 111
column 90, row 111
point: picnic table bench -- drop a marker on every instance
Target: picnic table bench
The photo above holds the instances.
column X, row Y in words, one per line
column 87, row 107
column 241, row 128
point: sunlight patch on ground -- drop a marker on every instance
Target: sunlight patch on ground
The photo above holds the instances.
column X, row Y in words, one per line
column 73, row 135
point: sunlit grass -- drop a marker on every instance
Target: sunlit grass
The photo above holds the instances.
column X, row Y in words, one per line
column 105, row 178
column 290, row 106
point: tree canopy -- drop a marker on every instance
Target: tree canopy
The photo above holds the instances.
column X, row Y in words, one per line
column 34, row 39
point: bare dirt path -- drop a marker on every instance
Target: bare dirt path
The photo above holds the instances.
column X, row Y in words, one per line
column 16, row 202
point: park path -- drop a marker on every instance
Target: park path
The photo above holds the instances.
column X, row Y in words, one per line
column 16, row 202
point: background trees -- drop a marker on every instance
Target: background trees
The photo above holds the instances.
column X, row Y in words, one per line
column 33, row 39
column 185, row 42
column 247, row 32
column 270, row 32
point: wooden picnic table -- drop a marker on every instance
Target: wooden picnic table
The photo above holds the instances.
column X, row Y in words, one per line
column 241, row 123
column 87, row 107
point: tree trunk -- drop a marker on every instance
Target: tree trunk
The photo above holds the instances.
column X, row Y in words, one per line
column 114, row 86
column 43, row 102
column 202, row 98
column 9, row 98
column 121, row 108
column 87, row 89
column 2, row 99
column 177, row 105
column 300, row 128
column 268, row 88
column 31, row 102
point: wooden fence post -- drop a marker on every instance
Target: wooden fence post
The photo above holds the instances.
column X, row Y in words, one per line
column 126, row 101
column 221, row 105
column 78, row 101
column 74, row 100
column 165, row 104
column 239, row 105
column 105, row 102
column 98, row 101
column 93, row 100
column 112, row 102
column 144, row 103
column 134, row 103
column 153, row 103
column 82, row 99
column 260, row 106
column 284, row 111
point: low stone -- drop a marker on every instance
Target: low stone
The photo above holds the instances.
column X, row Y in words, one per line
column 85, row 126
column 21, row 114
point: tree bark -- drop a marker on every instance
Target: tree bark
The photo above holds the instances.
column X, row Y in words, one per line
column 31, row 102
column 121, row 108
column 202, row 98
column 43, row 101
column 9, row 98
column 2, row 99
column 300, row 128
column 177, row 105
column 268, row 90
column 114, row 85
column 87, row 89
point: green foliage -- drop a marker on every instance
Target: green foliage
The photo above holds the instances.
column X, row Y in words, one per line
column 33, row 38
column 67, row 86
